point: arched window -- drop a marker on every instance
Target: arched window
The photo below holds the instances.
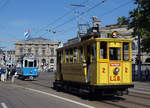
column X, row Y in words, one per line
column 51, row 60
column 43, row 61
column 147, row 60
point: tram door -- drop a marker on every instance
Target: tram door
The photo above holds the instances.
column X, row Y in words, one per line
column 88, row 61
column 59, row 67
column 115, row 64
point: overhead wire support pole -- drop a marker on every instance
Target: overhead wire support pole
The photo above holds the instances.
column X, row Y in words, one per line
column 139, row 49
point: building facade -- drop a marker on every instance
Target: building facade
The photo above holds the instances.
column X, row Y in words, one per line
column 7, row 57
column 41, row 48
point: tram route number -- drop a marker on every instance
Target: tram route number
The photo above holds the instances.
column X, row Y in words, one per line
column 114, row 78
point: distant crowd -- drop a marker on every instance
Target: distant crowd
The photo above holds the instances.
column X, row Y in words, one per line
column 7, row 73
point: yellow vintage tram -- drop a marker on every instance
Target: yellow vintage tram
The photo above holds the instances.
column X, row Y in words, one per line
column 95, row 64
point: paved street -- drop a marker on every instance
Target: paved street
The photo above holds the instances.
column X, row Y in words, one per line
column 39, row 94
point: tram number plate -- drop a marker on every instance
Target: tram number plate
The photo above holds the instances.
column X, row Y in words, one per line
column 114, row 78
column 114, row 64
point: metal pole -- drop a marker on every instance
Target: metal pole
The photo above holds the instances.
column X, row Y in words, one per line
column 139, row 56
column 139, row 50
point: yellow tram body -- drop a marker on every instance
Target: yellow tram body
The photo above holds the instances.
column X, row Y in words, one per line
column 95, row 63
column 101, row 70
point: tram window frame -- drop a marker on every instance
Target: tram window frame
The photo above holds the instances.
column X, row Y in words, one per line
column 80, row 53
column 93, row 50
column 71, row 55
column 63, row 54
column 125, row 51
column 67, row 55
column 115, row 56
column 75, row 55
column 103, row 50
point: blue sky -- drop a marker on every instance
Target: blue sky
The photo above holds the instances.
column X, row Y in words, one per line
column 16, row 16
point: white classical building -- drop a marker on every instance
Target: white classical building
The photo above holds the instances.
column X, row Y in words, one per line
column 41, row 48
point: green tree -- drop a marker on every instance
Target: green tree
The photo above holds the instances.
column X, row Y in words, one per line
column 139, row 20
column 122, row 21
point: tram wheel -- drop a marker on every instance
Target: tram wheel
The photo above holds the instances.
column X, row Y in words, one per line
column 23, row 78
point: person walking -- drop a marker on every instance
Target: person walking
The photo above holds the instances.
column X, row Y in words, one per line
column 2, row 75
column 147, row 73
column 6, row 74
column 13, row 74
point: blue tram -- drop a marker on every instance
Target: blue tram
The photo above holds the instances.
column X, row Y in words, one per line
column 28, row 68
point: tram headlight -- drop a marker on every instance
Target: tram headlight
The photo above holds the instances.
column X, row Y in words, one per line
column 115, row 34
column 116, row 70
column 31, row 71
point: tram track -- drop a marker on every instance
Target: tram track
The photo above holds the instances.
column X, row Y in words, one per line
column 140, row 96
column 137, row 100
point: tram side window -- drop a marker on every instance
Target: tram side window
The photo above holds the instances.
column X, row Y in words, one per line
column 58, row 57
column 94, row 52
column 67, row 56
column 125, row 51
column 115, row 53
column 75, row 55
column 63, row 56
column 35, row 63
column 26, row 63
column 80, row 53
column 103, row 50
column 71, row 55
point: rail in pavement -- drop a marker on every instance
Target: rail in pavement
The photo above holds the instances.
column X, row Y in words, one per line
column 141, row 87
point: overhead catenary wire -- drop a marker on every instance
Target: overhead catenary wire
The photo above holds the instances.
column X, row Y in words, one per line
column 73, row 18
column 111, row 11
column 61, row 17
column 115, row 9
column 105, row 13
column 3, row 3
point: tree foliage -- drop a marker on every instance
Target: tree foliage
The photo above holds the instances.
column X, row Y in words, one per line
column 139, row 20
column 123, row 21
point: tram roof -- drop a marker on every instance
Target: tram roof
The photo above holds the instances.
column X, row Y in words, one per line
column 96, row 40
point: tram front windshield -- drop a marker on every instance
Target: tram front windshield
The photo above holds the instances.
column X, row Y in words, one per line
column 114, row 53
column 30, row 63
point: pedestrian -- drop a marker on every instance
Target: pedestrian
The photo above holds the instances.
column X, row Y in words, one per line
column 13, row 74
column 6, row 74
column 147, row 73
column 2, row 75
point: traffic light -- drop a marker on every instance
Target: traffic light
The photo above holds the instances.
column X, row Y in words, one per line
column 137, row 60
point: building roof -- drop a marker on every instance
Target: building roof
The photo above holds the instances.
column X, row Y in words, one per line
column 38, row 40
column 121, row 29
